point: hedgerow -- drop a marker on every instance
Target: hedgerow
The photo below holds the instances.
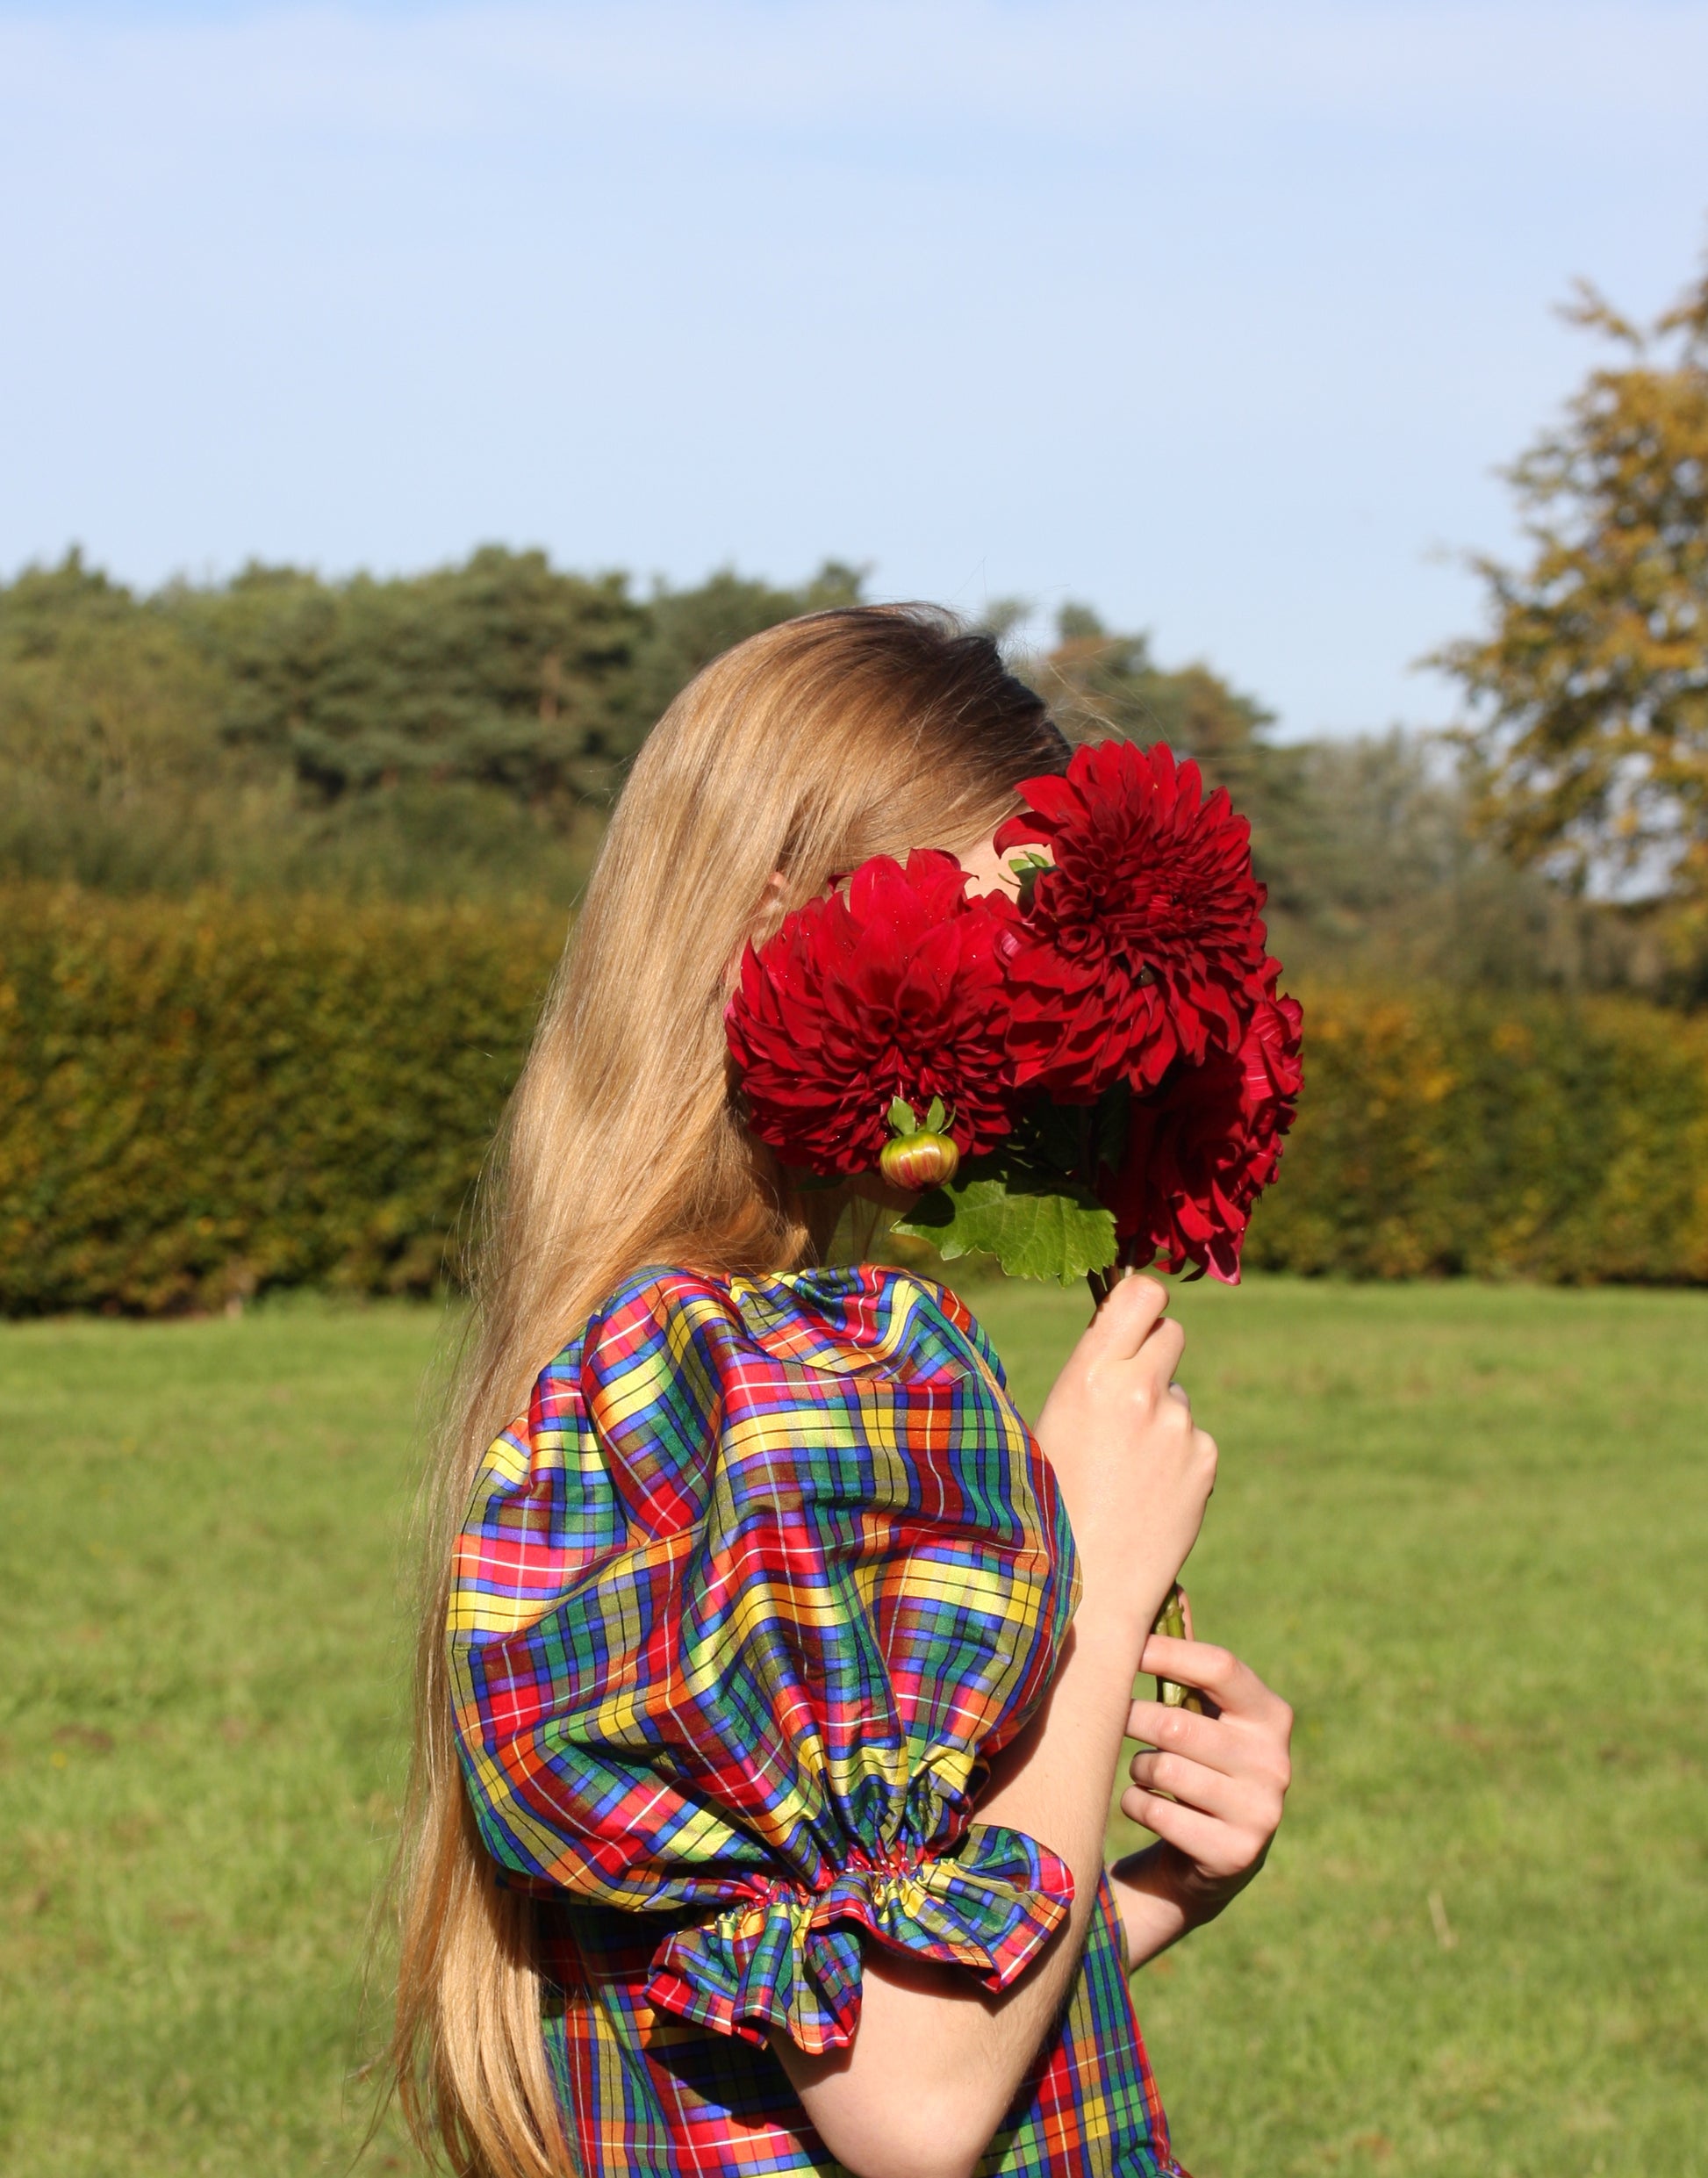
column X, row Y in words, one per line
column 1542, row 1136
column 202, row 1099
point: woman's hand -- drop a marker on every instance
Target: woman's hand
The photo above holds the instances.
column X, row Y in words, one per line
column 1225, row 1778
column 1134, row 1472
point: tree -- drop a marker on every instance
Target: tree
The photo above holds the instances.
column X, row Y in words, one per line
column 96, row 691
column 502, row 672
column 1590, row 694
column 459, row 732
column 106, row 732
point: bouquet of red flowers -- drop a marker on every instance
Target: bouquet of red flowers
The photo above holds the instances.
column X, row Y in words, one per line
column 1095, row 1074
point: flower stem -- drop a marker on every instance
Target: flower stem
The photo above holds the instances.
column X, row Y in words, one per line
column 1170, row 1620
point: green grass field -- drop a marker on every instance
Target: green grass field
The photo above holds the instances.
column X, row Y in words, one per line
column 1463, row 1528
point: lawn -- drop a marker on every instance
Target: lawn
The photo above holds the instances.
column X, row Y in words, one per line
column 1462, row 1528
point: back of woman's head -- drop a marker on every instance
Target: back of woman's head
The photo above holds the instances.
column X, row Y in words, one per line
column 787, row 761
column 791, row 758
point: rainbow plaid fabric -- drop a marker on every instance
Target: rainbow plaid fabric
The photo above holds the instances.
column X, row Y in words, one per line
column 742, row 1608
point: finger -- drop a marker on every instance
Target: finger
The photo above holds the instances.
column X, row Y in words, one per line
column 1157, row 1357
column 1208, row 1740
column 1126, row 1317
column 1234, row 1800
column 1255, row 1756
column 1234, row 1688
column 1200, row 1837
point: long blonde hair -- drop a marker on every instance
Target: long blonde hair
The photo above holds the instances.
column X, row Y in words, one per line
column 794, row 755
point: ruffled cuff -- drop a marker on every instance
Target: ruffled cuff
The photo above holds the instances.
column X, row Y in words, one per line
column 790, row 1961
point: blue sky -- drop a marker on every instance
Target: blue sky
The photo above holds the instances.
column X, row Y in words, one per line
column 1216, row 314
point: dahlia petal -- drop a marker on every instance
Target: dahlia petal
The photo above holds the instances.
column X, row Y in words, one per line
column 892, row 987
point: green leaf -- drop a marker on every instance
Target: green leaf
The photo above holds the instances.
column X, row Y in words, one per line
column 1028, row 866
column 935, row 1117
column 901, row 1117
column 1035, row 1227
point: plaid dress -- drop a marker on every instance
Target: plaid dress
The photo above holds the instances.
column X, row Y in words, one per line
column 742, row 1606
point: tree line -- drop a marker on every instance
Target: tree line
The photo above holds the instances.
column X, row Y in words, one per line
column 457, row 733
column 460, row 734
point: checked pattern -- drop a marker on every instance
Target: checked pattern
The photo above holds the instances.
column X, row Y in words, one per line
column 742, row 1606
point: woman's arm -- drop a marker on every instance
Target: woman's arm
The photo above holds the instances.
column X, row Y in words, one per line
column 935, row 2065
column 937, row 2061
column 1225, row 1778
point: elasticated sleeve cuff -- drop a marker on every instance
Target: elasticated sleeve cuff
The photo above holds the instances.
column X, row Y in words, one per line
column 788, row 1960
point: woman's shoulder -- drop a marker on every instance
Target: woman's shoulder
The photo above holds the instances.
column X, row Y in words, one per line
column 872, row 1316
column 658, row 1293
column 865, row 1316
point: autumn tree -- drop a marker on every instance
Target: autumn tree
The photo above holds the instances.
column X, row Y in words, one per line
column 1590, row 692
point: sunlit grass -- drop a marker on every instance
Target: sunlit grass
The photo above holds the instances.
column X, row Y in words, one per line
column 1463, row 1528
column 201, row 1720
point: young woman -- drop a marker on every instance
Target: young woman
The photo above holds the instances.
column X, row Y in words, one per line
column 773, row 1676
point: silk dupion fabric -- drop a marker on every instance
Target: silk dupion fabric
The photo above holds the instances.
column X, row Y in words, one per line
column 742, row 1607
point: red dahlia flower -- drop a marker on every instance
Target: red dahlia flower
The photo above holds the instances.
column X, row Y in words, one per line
column 1203, row 1147
column 1142, row 942
column 890, row 988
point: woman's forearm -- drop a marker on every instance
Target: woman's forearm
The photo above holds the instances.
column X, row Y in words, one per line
column 1153, row 1902
column 937, row 2061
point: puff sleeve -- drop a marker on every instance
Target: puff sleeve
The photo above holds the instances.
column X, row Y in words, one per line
column 740, row 1609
